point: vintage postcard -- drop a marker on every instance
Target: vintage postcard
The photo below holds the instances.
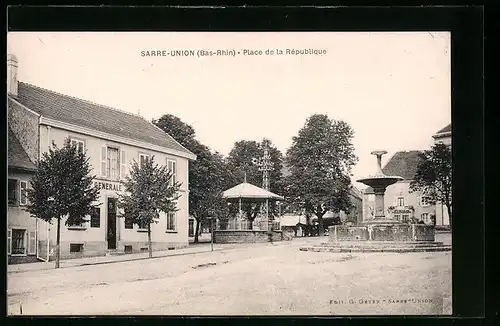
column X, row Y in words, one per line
column 195, row 174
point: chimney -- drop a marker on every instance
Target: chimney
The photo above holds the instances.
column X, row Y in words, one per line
column 12, row 75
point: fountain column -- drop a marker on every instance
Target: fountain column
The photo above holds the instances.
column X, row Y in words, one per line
column 379, row 203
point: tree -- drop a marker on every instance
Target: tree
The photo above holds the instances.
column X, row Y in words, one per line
column 434, row 178
column 62, row 187
column 208, row 175
column 149, row 190
column 320, row 162
column 241, row 163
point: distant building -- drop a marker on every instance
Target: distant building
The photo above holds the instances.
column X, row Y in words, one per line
column 111, row 139
column 399, row 202
column 442, row 136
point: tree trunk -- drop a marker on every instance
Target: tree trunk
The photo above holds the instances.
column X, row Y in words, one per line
column 149, row 241
column 197, row 230
column 321, row 228
column 58, row 239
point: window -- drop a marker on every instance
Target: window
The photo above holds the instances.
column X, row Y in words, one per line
column 171, row 222
column 143, row 225
column 172, row 167
column 424, row 201
column 129, row 223
column 397, row 217
column 425, row 218
column 80, row 145
column 18, row 242
column 24, row 192
column 95, row 218
column 405, row 218
column 75, row 247
column 77, row 226
column 113, row 163
column 13, row 192
column 143, row 158
column 400, row 201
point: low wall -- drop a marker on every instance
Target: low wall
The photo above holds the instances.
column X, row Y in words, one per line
column 396, row 232
column 245, row 236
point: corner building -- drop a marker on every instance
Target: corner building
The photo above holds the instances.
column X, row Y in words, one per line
column 112, row 139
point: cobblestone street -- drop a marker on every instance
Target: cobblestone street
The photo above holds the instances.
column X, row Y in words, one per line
column 242, row 280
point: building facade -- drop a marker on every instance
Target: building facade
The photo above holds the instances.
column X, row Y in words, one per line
column 443, row 136
column 399, row 202
column 112, row 139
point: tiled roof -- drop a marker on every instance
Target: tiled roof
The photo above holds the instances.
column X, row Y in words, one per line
column 403, row 164
column 17, row 157
column 445, row 129
column 87, row 114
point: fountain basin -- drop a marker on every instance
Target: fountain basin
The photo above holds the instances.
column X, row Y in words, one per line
column 382, row 232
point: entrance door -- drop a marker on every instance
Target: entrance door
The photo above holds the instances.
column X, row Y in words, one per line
column 111, row 223
column 191, row 228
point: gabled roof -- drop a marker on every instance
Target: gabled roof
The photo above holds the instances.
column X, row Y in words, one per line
column 17, row 157
column 247, row 190
column 403, row 164
column 445, row 129
column 94, row 116
column 445, row 132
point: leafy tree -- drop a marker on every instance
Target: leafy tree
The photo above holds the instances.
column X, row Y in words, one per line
column 320, row 162
column 241, row 163
column 434, row 178
column 208, row 175
column 149, row 190
column 62, row 187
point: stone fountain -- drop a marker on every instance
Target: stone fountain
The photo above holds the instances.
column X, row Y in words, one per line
column 381, row 233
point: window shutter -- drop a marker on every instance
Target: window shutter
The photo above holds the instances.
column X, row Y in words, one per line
column 104, row 152
column 123, row 158
column 174, row 171
column 9, row 241
column 32, row 243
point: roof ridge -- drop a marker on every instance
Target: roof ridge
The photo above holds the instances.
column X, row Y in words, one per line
column 83, row 100
column 166, row 133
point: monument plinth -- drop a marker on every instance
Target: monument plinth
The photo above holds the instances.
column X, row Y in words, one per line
column 381, row 233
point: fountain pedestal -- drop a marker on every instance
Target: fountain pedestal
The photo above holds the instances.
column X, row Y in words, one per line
column 381, row 233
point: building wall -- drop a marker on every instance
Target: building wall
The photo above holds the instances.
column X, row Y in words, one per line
column 392, row 193
column 442, row 217
column 25, row 125
column 95, row 239
column 18, row 218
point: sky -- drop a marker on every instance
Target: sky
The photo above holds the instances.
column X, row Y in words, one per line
column 393, row 88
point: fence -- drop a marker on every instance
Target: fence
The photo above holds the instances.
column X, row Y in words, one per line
column 240, row 225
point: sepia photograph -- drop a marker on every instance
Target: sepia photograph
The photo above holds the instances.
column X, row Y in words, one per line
column 229, row 173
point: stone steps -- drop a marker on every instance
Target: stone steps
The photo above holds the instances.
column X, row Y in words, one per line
column 380, row 244
column 401, row 249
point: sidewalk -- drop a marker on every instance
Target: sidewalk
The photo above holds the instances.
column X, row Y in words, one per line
column 67, row 263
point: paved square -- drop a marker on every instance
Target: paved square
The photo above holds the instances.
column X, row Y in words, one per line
column 257, row 279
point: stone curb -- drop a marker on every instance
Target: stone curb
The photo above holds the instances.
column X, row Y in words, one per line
column 375, row 250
